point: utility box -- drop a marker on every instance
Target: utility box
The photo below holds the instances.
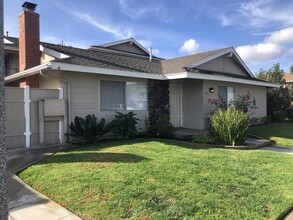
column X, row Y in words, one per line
column 54, row 107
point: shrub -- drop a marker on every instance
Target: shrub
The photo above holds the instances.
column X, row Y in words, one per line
column 88, row 130
column 125, row 125
column 204, row 139
column 164, row 127
column 229, row 126
column 243, row 102
column 161, row 128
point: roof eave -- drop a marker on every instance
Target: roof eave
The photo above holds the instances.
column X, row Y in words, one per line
column 29, row 72
column 82, row 69
column 189, row 75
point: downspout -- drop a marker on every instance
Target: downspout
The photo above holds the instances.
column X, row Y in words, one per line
column 68, row 95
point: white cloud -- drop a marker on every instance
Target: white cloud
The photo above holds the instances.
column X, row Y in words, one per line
column 147, row 44
column 282, row 36
column 257, row 14
column 190, row 46
column 155, row 51
column 117, row 32
column 105, row 26
column 291, row 51
column 225, row 21
column 260, row 52
column 137, row 11
column 261, row 13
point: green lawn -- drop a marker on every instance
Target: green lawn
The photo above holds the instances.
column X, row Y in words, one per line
column 161, row 179
column 279, row 133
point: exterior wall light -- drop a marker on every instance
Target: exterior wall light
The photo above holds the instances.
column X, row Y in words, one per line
column 212, row 90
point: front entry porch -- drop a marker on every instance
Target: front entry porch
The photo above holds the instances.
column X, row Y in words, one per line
column 187, row 133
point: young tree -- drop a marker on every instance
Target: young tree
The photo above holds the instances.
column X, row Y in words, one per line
column 278, row 99
column 3, row 186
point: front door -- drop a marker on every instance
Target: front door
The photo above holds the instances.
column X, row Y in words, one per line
column 175, row 96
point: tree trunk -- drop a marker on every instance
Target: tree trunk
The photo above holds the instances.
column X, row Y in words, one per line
column 3, row 186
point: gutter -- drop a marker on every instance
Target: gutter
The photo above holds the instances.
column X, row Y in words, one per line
column 189, row 75
column 30, row 72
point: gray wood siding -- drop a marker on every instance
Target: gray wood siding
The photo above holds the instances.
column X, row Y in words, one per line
column 257, row 92
column 224, row 64
column 85, row 96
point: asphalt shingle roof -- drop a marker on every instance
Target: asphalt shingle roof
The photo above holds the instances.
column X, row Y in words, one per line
column 177, row 65
column 112, row 59
column 106, row 59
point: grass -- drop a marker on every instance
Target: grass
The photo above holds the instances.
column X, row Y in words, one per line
column 164, row 179
column 280, row 133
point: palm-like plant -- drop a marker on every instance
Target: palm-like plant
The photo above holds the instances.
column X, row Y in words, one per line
column 89, row 130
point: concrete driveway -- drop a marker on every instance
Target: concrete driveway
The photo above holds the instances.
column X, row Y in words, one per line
column 26, row 203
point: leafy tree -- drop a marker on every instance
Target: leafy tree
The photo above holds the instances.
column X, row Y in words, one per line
column 3, row 184
column 291, row 69
column 278, row 99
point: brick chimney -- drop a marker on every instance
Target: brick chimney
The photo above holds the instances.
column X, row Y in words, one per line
column 29, row 37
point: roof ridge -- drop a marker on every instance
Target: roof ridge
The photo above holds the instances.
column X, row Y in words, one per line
column 196, row 54
column 94, row 51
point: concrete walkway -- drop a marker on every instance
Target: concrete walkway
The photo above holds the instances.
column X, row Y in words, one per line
column 278, row 149
column 24, row 202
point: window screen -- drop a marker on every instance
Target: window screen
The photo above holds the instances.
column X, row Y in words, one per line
column 112, row 95
column 226, row 94
column 136, row 96
column 222, row 94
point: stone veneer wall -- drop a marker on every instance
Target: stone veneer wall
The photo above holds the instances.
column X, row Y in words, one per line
column 158, row 102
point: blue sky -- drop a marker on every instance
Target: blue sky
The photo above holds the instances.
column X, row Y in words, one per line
column 261, row 31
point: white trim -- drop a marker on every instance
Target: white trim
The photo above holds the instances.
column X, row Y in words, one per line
column 98, row 70
column 221, row 53
column 6, row 41
column 53, row 53
column 133, row 74
column 130, row 40
column 27, row 101
column 61, row 122
column 189, row 75
column 13, row 48
column 29, row 72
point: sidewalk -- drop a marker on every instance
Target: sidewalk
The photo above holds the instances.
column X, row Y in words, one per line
column 24, row 202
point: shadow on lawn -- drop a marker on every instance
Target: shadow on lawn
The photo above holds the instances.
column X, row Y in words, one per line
column 96, row 157
column 171, row 142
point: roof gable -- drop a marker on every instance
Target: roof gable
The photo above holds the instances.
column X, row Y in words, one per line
column 128, row 45
column 179, row 64
column 228, row 53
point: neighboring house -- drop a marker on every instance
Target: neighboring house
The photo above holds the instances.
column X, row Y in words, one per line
column 289, row 80
column 116, row 76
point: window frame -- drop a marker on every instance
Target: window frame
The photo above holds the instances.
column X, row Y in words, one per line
column 226, row 99
column 145, row 83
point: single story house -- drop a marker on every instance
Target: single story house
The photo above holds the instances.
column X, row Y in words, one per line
column 124, row 76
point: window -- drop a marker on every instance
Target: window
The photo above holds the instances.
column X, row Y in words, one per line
column 227, row 94
column 117, row 95
column 112, row 95
column 136, row 96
